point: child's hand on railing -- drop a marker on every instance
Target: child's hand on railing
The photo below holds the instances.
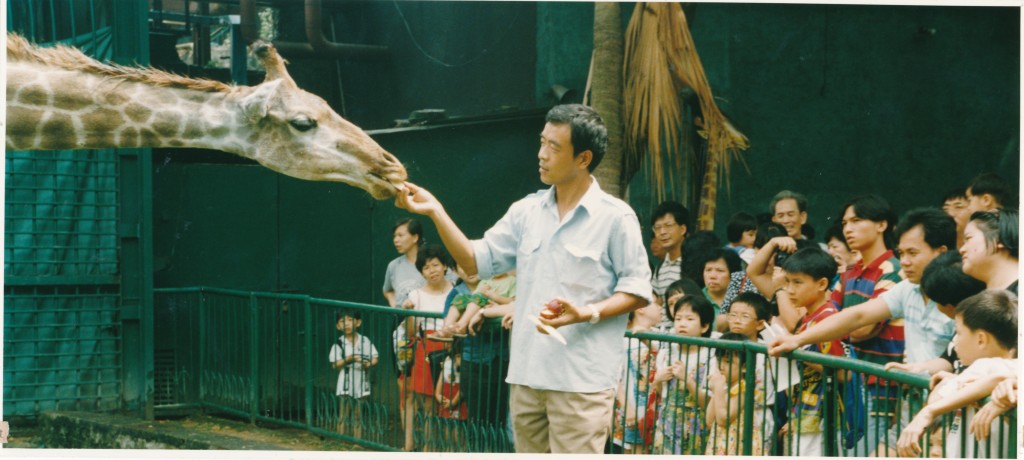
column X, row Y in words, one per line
column 663, row 375
column 783, row 344
column 938, row 378
column 914, row 368
column 679, row 370
column 1004, row 398
column 981, row 423
column 1006, row 392
column 908, row 444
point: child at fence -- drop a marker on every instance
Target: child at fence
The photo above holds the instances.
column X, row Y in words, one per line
column 674, row 292
column 499, row 290
column 451, row 407
column 725, row 409
column 353, row 354
column 749, row 316
column 680, row 378
column 985, row 342
column 808, row 275
column 631, row 394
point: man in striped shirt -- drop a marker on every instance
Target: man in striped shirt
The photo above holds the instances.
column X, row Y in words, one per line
column 670, row 222
column 868, row 225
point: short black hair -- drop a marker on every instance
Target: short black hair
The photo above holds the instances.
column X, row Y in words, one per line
column 695, row 252
column 678, row 211
column 807, row 231
column 945, row 282
column 721, row 353
column 993, row 184
column 955, row 193
column 1000, row 226
column 414, row 227
column 767, row 231
column 732, row 259
column 756, row 301
column 433, row 251
column 876, row 209
column 938, row 227
column 702, row 307
column 685, row 285
column 801, row 200
column 739, row 223
column 813, row 262
column 354, row 314
column 587, row 129
column 993, row 311
column 835, row 232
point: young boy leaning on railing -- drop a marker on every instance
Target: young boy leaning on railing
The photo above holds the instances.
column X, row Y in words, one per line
column 986, row 342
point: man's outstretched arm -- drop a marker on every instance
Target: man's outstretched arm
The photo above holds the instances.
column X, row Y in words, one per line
column 418, row 200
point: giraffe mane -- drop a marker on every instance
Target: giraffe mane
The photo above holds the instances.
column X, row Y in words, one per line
column 66, row 57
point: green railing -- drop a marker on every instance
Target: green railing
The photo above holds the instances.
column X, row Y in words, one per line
column 264, row 356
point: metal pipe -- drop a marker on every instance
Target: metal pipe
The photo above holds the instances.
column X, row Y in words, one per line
column 318, row 45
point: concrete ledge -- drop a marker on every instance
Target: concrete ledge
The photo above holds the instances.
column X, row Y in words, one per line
column 83, row 430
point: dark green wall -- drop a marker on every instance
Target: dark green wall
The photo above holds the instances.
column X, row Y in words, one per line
column 245, row 227
column 906, row 102
column 468, row 58
column 836, row 100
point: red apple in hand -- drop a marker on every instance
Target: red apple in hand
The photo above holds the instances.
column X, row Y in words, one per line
column 552, row 309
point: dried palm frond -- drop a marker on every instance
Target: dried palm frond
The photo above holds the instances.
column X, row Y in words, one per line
column 661, row 60
column 653, row 114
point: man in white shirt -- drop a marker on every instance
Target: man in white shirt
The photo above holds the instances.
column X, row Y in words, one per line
column 581, row 266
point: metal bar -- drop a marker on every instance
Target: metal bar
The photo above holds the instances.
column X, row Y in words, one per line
column 188, row 18
column 239, row 58
column 203, row 343
column 750, row 376
column 53, row 22
column 254, row 355
column 307, row 316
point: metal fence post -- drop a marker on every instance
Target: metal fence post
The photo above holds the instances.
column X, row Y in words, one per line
column 750, row 382
column 254, row 353
column 308, row 352
column 202, row 345
column 830, row 410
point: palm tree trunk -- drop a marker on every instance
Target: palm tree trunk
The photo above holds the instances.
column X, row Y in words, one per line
column 607, row 92
column 709, row 192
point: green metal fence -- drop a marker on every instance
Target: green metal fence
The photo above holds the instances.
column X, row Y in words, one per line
column 265, row 356
column 62, row 319
column 61, row 312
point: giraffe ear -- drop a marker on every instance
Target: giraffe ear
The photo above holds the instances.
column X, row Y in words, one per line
column 256, row 105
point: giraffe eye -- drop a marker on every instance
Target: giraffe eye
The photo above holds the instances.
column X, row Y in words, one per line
column 302, row 123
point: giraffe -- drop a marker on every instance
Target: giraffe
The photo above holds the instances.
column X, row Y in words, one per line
column 59, row 98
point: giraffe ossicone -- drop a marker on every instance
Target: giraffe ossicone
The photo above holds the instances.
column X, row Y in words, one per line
column 59, row 98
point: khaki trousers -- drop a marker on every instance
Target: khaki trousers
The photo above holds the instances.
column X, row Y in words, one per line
column 545, row 421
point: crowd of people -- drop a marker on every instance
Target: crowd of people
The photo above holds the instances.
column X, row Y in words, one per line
column 932, row 291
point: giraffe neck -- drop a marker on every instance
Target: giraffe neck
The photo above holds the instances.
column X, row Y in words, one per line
column 54, row 109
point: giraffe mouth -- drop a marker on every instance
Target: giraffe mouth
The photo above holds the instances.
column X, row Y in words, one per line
column 393, row 185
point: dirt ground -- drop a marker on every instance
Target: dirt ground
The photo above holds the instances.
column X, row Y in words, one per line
column 236, row 435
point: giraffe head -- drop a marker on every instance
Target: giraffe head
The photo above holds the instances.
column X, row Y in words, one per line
column 298, row 134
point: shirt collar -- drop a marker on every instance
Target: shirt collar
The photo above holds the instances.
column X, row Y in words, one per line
column 590, row 200
column 879, row 260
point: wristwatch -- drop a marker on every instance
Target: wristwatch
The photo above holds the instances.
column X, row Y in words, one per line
column 595, row 316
